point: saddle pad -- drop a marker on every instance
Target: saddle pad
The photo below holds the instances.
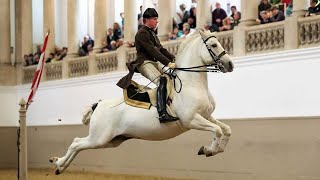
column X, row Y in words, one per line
column 133, row 96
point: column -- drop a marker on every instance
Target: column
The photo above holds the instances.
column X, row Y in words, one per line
column 73, row 43
column 291, row 29
column 204, row 14
column 49, row 22
column 5, row 54
column 249, row 12
column 100, row 25
column 166, row 8
column 130, row 20
column 111, row 13
column 23, row 29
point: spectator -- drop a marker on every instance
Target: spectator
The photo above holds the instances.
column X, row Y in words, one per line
column 140, row 23
column 117, row 32
column 313, row 9
column 263, row 6
column 234, row 11
column 236, row 18
column 86, row 46
column 27, row 60
column 217, row 16
column 227, row 24
column 186, row 30
column 51, row 56
column 122, row 19
column 63, row 53
column 107, row 43
column 56, row 58
column 36, row 59
column 193, row 15
column 140, row 13
column 175, row 34
column 265, row 18
column 184, row 15
column 276, row 14
column 30, row 59
column 289, row 9
column 38, row 51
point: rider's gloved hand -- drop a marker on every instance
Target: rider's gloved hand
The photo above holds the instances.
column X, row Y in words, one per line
column 172, row 65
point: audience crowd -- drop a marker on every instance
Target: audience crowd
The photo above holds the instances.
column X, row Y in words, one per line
column 183, row 26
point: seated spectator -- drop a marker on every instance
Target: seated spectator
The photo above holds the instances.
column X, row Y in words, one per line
column 63, row 53
column 276, row 14
column 175, row 34
column 187, row 31
column 236, row 18
column 217, row 16
column 184, row 15
column 30, row 59
column 227, row 24
column 263, row 6
column 36, row 59
column 191, row 23
column 27, row 60
column 55, row 58
column 313, row 9
column 86, row 47
column 107, row 43
column 117, row 32
column 265, row 18
column 51, row 56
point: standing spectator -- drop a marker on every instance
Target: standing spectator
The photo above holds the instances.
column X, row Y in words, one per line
column 217, row 16
column 289, row 9
column 122, row 19
column 117, row 32
column 193, row 15
column 235, row 11
column 107, row 43
column 38, row 51
column 140, row 22
column 184, row 15
column 263, row 6
column 140, row 13
column 313, row 9
column 276, row 14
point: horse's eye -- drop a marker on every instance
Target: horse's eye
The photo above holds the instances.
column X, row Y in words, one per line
column 214, row 45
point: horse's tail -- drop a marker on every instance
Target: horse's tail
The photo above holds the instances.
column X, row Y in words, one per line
column 88, row 113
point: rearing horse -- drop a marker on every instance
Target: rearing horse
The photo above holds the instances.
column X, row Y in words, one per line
column 111, row 125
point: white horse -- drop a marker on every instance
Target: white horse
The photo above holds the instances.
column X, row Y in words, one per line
column 111, row 125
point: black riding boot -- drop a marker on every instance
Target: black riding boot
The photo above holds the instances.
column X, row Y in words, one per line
column 162, row 101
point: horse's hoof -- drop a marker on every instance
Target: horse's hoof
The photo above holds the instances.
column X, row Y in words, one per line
column 53, row 159
column 57, row 172
column 201, row 151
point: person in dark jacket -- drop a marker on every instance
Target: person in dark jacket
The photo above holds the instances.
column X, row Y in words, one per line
column 263, row 6
column 276, row 14
column 150, row 56
column 313, row 9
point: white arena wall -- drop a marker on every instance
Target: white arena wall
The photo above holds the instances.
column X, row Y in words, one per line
column 270, row 101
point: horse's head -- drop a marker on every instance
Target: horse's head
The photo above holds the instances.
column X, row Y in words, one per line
column 213, row 53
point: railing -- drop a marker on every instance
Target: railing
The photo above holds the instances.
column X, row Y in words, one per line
column 107, row 62
column 265, row 38
column 309, row 31
column 226, row 40
column 255, row 39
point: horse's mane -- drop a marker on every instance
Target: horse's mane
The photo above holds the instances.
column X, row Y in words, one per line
column 187, row 42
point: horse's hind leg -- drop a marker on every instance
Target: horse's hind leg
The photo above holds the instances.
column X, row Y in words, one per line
column 226, row 130
column 78, row 145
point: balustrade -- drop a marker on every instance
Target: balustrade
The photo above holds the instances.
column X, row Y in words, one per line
column 309, row 31
column 265, row 38
column 107, row 62
column 258, row 39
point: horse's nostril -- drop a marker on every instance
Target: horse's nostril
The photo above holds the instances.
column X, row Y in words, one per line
column 231, row 65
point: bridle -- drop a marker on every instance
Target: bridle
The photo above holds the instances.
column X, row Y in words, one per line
column 214, row 66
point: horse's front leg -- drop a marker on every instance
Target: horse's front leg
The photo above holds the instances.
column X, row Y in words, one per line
column 226, row 130
column 200, row 123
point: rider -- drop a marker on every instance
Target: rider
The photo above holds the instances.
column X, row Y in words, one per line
column 149, row 54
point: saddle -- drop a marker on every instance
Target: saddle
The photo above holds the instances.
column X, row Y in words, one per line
column 139, row 96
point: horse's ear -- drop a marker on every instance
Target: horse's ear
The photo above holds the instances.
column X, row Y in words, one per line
column 202, row 32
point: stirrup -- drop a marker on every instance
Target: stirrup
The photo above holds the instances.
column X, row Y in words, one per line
column 165, row 117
